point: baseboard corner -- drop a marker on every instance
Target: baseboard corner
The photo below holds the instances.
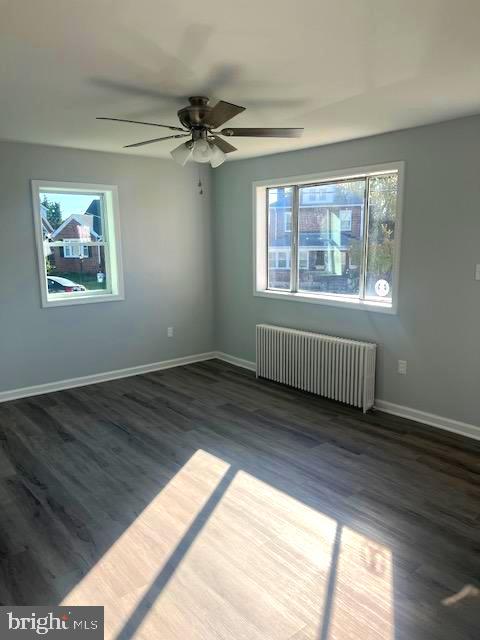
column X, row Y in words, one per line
column 239, row 362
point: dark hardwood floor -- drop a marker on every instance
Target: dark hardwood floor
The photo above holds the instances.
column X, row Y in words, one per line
column 200, row 503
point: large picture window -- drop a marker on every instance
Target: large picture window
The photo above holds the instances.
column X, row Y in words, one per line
column 342, row 243
column 78, row 242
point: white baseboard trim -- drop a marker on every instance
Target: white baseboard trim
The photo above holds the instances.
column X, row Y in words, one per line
column 455, row 426
column 462, row 428
column 240, row 362
column 59, row 385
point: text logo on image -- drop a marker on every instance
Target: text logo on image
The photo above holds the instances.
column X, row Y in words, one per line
column 23, row 623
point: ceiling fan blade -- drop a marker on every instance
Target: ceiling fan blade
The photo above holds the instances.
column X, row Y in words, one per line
column 136, row 90
column 263, row 132
column 221, row 76
column 151, row 124
column 140, row 144
column 222, row 112
column 225, row 146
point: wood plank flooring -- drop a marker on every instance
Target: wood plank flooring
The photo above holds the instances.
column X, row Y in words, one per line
column 200, row 503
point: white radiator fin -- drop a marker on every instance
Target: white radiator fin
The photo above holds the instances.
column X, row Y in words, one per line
column 336, row 368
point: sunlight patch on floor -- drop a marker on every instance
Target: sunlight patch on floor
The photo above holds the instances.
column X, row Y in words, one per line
column 362, row 593
column 220, row 553
column 124, row 573
column 258, row 569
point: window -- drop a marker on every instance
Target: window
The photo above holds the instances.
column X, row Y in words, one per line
column 343, row 249
column 78, row 242
column 282, row 261
column 303, row 259
column 72, row 249
column 314, row 195
column 346, row 219
column 279, row 259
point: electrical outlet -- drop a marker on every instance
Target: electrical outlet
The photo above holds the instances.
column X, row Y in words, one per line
column 477, row 272
column 170, row 332
column 402, row 367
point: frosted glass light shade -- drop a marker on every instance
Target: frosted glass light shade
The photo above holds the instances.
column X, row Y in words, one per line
column 182, row 153
column 218, row 157
column 202, row 151
column 198, row 151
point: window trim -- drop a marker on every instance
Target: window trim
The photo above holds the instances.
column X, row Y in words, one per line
column 113, row 247
column 260, row 237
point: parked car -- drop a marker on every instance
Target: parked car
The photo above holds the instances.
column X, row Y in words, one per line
column 63, row 285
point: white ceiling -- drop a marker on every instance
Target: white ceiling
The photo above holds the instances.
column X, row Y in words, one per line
column 340, row 68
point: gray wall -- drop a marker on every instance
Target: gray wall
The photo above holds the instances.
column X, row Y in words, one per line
column 438, row 322
column 167, row 259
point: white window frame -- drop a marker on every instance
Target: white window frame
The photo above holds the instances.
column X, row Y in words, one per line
column 260, row 238
column 111, row 235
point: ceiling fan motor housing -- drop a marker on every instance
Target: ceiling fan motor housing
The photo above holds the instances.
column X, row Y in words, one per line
column 194, row 115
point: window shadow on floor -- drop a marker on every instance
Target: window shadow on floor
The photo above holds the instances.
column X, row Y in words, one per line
column 178, row 554
column 331, row 584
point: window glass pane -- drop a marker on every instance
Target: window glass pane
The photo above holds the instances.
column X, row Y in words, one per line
column 330, row 230
column 279, row 237
column 57, row 207
column 381, row 237
column 74, row 274
column 71, row 225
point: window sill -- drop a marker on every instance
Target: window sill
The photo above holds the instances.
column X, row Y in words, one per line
column 66, row 302
column 329, row 300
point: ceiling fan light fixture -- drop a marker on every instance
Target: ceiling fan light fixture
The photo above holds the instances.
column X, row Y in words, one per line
column 218, row 157
column 198, row 123
column 182, row 153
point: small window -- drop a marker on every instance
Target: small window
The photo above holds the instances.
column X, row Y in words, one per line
column 78, row 242
column 303, row 259
column 346, row 219
column 279, row 259
column 73, row 249
column 282, row 261
column 345, row 246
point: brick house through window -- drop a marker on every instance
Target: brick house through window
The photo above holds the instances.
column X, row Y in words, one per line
column 75, row 256
column 330, row 223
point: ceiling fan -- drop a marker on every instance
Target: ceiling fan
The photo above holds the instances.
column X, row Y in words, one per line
column 199, row 121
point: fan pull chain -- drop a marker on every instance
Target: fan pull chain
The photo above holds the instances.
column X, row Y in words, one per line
column 200, row 186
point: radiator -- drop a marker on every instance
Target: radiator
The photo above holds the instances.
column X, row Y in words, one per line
column 335, row 368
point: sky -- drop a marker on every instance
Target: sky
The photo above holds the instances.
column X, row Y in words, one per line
column 69, row 203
